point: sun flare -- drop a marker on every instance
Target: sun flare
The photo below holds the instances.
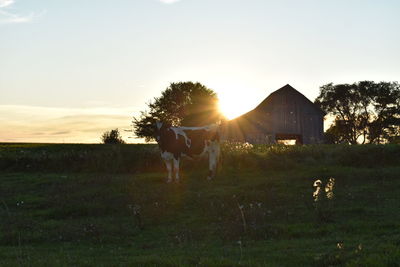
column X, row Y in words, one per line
column 230, row 111
column 233, row 105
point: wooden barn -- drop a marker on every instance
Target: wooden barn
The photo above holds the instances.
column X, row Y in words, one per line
column 285, row 116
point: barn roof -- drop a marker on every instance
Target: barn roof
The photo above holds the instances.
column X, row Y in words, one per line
column 288, row 90
column 285, row 90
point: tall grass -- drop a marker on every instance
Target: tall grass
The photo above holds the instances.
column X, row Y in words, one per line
column 79, row 158
column 134, row 158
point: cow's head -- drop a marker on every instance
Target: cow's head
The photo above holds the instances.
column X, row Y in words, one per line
column 158, row 127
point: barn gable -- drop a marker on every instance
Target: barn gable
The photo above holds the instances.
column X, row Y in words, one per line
column 284, row 114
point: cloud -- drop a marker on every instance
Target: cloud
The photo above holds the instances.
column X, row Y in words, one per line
column 169, row 1
column 4, row 3
column 20, row 123
column 7, row 17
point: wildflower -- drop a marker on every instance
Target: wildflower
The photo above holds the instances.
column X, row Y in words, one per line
column 317, row 192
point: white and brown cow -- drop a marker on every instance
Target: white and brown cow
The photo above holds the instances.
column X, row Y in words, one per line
column 175, row 142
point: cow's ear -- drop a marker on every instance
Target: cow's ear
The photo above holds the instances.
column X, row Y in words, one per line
column 158, row 124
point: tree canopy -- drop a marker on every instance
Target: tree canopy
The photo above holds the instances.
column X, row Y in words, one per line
column 364, row 112
column 182, row 103
column 112, row 137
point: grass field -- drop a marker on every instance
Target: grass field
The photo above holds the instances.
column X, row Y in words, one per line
column 101, row 205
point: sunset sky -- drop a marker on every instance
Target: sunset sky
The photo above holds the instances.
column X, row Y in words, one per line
column 70, row 70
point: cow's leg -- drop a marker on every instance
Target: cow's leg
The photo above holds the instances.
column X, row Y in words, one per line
column 212, row 166
column 168, row 163
column 167, row 157
column 213, row 157
column 176, row 168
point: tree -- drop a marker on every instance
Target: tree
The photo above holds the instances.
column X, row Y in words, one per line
column 386, row 102
column 112, row 137
column 365, row 112
column 182, row 103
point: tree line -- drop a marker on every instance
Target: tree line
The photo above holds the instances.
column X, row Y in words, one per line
column 362, row 112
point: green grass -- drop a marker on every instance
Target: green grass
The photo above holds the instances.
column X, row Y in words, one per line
column 98, row 205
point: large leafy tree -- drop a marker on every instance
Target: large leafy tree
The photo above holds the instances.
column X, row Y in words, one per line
column 182, row 103
column 365, row 112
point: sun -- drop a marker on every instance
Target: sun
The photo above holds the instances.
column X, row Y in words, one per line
column 229, row 110
column 233, row 105
column 236, row 99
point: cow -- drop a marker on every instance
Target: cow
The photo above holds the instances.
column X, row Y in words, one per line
column 175, row 142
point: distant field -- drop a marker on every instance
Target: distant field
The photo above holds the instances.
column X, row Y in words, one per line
column 102, row 205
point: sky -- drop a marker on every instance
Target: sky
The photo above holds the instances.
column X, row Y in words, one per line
column 70, row 69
